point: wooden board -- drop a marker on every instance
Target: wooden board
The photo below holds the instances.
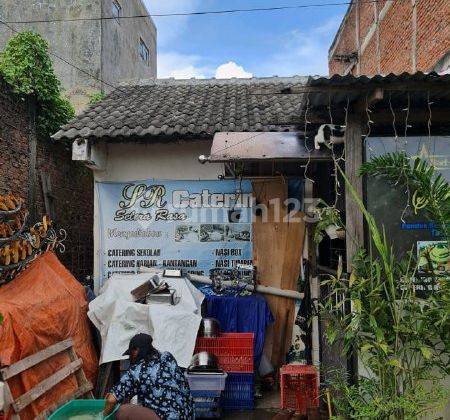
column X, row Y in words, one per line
column 73, row 368
column 34, row 359
column 34, row 393
column 277, row 249
column 353, row 160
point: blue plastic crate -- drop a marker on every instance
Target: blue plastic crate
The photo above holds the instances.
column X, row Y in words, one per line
column 206, row 382
column 207, row 414
column 206, row 394
column 239, row 392
column 207, row 403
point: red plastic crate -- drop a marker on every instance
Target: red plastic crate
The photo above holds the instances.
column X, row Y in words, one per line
column 234, row 351
column 299, row 388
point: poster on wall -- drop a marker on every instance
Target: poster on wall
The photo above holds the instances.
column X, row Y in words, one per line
column 433, row 256
column 193, row 225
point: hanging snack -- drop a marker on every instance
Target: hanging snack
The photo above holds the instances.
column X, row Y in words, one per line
column 20, row 245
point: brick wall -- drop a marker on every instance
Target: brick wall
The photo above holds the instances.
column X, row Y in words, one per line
column 71, row 183
column 394, row 52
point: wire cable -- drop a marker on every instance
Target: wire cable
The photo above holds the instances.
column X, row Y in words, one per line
column 65, row 60
column 198, row 13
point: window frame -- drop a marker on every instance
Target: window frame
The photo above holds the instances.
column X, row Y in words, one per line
column 116, row 6
column 144, row 51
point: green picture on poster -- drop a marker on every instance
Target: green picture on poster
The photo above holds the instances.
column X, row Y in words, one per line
column 433, row 256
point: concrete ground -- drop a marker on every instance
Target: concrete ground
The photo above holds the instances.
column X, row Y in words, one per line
column 265, row 408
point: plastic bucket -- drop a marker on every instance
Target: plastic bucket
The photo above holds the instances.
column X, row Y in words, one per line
column 80, row 407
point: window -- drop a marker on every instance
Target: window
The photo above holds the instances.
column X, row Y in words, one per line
column 144, row 52
column 116, row 10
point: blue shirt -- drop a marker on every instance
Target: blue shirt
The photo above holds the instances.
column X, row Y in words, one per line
column 160, row 385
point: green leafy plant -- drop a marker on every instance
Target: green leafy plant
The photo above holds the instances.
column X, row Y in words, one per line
column 26, row 66
column 96, row 97
column 328, row 216
column 402, row 337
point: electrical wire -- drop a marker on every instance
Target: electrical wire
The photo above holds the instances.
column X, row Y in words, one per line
column 198, row 13
column 402, row 174
column 239, row 142
column 65, row 60
column 306, row 143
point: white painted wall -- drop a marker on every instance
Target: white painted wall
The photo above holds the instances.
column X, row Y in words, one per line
column 136, row 161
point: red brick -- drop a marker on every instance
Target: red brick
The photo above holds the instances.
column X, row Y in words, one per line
column 72, row 183
column 433, row 37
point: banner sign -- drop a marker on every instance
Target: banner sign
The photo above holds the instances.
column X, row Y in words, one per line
column 193, row 225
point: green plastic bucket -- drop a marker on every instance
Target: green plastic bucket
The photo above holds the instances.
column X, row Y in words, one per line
column 80, row 407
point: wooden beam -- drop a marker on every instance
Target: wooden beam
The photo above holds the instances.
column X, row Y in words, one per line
column 371, row 99
column 381, row 117
column 34, row 359
column 41, row 388
column 353, row 160
column 79, row 374
column 401, row 86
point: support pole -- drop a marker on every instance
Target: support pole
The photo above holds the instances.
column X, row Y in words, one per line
column 291, row 294
column 354, row 221
column 353, row 161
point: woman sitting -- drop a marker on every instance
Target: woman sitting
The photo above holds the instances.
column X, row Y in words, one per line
column 160, row 385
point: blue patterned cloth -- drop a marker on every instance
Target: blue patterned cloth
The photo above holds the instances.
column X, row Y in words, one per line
column 160, row 385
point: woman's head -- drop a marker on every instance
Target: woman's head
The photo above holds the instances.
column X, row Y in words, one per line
column 140, row 348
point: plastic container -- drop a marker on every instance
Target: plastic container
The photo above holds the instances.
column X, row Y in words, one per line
column 239, row 392
column 234, row 351
column 299, row 388
column 206, row 394
column 80, row 407
column 208, row 414
column 207, row 404
column 207, row 382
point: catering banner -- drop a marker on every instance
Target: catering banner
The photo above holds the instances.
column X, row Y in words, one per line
column 194, row 225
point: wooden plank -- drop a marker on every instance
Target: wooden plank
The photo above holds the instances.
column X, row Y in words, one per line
column 353, row 161
column 73, row 396
column 104, row 372
column 79, row 374
column 34, row 359
column 34, row 393
column 8, row 401
column 269, row 246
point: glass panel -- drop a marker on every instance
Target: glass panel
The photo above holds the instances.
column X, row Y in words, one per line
column 387, row 204
column 116, row 9
column 143, row 51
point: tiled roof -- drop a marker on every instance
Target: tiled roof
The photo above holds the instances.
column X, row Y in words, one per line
column 169, row 108
column 196, row 108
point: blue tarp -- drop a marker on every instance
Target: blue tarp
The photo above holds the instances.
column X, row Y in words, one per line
column 242, row 314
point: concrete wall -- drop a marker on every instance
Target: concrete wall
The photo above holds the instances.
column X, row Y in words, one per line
column 392, row 37
column 136, row 161
column 120, row 44
column 106, row 50
column 77, row 42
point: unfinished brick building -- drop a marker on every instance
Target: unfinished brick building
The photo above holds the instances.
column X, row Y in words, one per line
column 392, row 36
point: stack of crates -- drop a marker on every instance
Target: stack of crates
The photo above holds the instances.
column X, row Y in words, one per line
column 206, row 389
column 299, row 388
column 234, row 352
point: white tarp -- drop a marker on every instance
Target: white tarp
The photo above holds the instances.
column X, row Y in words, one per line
column 118, row 317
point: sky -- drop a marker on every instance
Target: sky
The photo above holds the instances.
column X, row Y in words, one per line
column 258, row 44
